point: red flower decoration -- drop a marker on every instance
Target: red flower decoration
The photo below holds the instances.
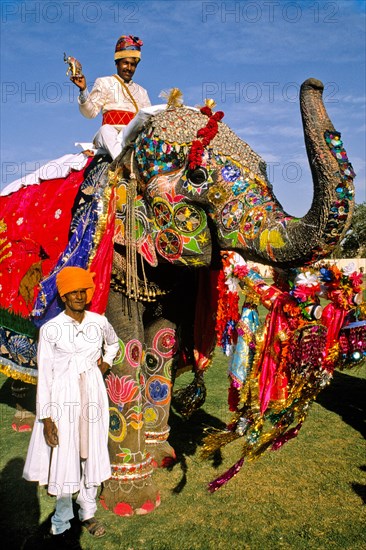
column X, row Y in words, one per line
column 195, row 155
column 207, row 133
column 241, row 271
column 356, row 281
column 303, row 292
column 206, row 111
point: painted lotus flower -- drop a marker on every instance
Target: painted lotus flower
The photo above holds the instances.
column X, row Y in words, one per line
column 122, row 389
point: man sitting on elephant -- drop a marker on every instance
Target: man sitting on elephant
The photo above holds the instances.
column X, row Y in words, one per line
column 117, row 96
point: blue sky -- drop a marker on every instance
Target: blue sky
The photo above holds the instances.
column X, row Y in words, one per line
column 249, row 56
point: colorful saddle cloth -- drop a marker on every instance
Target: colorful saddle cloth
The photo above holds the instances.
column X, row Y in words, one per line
column 43, row 228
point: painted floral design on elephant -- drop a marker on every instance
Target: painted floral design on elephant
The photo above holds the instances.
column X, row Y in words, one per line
column 122, row 389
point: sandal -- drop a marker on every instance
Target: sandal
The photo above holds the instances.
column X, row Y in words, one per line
column 94, row 527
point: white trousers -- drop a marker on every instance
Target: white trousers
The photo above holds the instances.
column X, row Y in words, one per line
column 86, row 499
column 109, row 139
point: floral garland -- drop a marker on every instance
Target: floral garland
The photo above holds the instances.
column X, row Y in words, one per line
column 342, row 287
column 207, row 133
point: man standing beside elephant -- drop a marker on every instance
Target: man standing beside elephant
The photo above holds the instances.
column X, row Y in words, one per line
column 68, row 449
column 117, row 96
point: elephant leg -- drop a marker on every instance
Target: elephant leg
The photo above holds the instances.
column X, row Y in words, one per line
column 160, row 340
column 131, row 489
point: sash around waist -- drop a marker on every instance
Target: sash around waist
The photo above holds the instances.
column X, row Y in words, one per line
column 117, row 118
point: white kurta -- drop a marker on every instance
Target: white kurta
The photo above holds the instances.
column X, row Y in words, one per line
column 108, row 94
column 68, row 353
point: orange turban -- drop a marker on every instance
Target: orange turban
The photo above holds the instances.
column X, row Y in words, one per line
column 75, row 278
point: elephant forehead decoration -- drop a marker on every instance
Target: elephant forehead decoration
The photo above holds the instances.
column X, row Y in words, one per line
column 164, row 146
column 230, row 180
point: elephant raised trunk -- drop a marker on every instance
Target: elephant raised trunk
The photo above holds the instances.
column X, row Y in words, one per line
column 315, row 235
column 283, row 240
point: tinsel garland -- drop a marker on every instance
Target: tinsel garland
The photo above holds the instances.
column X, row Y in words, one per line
column 300, row 354
column 283, row 438
column 352, row 344
column 227, row 315
column 241, row 362
column 344, row 290
column 229, row 474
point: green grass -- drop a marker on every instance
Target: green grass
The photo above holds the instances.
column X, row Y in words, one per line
column 308, row 495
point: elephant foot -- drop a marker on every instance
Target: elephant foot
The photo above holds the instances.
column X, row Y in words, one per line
column 24, row 396
column 23, row 420
column 131, row 490
column 130, row 498
column 160, row 450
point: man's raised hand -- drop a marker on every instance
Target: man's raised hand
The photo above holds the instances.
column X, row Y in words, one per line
column 79, row 81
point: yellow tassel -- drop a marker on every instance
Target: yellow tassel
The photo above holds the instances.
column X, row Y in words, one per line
column 271, row 239
column 173, row 97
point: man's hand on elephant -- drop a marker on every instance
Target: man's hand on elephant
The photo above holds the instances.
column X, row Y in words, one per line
column 50, row 432
column 79, row 81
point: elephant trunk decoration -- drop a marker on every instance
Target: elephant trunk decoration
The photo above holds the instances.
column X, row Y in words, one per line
column 186, row 188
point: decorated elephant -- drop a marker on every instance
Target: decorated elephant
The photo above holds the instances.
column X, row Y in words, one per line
column 152, row 226
column 186, row 188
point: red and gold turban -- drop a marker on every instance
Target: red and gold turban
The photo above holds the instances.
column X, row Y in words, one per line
column 128, row 46
column 75, row 278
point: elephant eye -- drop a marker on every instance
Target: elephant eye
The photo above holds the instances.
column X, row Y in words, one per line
column 197, row 176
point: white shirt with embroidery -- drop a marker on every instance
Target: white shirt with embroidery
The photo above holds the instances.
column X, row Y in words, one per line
column 108, row 94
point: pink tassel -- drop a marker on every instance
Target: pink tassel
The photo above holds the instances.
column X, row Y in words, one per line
column 224, row 478
column 282, row 439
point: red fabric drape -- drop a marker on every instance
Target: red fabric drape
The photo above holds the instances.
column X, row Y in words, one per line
column 34, row 230
column 205, row 318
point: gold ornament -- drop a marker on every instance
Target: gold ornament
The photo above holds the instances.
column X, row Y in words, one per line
column 210, row 103
column 173, row 97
